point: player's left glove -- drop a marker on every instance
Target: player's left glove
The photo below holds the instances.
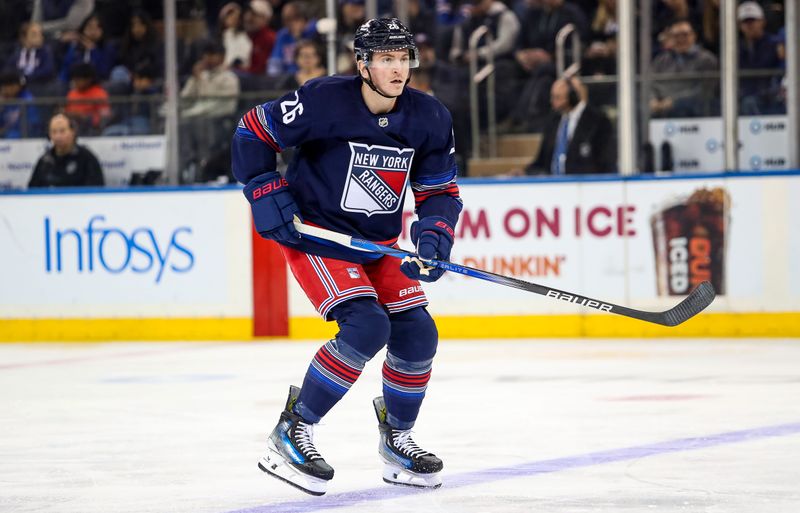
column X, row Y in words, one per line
column 433, row 238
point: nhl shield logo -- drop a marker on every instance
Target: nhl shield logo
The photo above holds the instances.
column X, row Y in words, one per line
column 376, row 179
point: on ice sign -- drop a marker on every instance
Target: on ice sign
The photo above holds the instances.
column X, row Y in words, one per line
column 376, row 179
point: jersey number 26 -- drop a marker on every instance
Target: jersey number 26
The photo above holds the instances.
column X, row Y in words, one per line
column 291, row 109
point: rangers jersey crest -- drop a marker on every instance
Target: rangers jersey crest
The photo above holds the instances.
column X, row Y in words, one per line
column 376, row 179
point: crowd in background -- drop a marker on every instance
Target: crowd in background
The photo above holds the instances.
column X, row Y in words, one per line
column 85, row 51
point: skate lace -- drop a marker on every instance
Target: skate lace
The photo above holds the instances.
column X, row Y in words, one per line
column 404, row 443
column 304, row 438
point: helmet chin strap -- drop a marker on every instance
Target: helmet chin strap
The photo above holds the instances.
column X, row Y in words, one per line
column 372, row 85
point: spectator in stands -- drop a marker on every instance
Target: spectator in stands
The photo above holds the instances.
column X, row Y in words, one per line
column 780, row 46
column 116, row 15
column 308, row 58
column 256, row 23
column 66, row 163
column 141, row 45
column 600, row 58
column 757, row 51
column 13, row 13
column 450, row 13
column 352, row 14
column 667, row 12
column 91, row 47
column 421, row 18
column 578, row 138
column 141, row 114
column 537, row 41
column 430, row 70
column 711, row 30
column 276, row 22
column 690, row 96
column 426, row 50
column 214, row 90
column 663, row 43
column 535, row 58
column 421, row 81
column 297, row 25
column 237, row 43
column 31, row 56
column 774, row 15
column 87, row 101
column 587, row 6
column 212, row 86
column 602, row 52
column 16, row 120
column 502, row 23
column 426, row 77
column 504, row 28
column 60, row 16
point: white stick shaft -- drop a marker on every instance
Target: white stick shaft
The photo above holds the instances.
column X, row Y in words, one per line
column 322, row 233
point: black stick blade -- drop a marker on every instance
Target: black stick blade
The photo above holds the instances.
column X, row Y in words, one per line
column 693, row 304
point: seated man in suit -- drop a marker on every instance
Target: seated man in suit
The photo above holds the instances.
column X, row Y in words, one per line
column 578, row 139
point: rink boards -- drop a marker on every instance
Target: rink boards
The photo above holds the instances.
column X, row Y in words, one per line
column 176, row 263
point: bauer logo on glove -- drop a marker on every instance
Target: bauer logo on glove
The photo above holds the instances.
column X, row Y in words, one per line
column 269, row 187
column 274, row 208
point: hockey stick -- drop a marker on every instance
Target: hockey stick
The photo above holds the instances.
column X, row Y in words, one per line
column 693, row 304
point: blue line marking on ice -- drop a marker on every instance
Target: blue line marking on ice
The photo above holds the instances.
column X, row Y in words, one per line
column 480, row 477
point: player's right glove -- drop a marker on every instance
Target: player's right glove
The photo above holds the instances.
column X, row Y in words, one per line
column 433, row 238
column 273, row 207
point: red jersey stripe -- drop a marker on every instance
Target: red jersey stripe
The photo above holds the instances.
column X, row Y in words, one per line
column 254, row 125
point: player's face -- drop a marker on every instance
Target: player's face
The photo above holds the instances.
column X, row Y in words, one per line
column 390, row 71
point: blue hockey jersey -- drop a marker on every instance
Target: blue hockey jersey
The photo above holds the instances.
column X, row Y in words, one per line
column 352, row 167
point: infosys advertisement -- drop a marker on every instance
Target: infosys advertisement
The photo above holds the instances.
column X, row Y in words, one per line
column 159, row 254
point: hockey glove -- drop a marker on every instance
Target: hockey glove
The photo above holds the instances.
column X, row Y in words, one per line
column 273, row 207
column 433, row 238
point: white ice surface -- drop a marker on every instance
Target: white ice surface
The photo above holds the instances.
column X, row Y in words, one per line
column 178, row 427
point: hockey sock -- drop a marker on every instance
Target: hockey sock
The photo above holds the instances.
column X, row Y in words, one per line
column 404, row 385
column 329, row 377
column 412, row 346
column 363, row 331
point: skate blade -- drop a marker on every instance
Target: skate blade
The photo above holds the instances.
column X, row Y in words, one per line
column 276, row 466
column 395, row 475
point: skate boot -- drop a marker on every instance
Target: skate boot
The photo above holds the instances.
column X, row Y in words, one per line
column 291, row 455
column 405, row 463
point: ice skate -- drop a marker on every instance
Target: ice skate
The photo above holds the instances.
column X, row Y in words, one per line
column 291, row 455
column 405, row 463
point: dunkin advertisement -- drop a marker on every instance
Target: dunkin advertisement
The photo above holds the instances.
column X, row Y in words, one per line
column 689, row 242
column 644, row 243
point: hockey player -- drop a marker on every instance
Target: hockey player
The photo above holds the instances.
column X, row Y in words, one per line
column 360, row 141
